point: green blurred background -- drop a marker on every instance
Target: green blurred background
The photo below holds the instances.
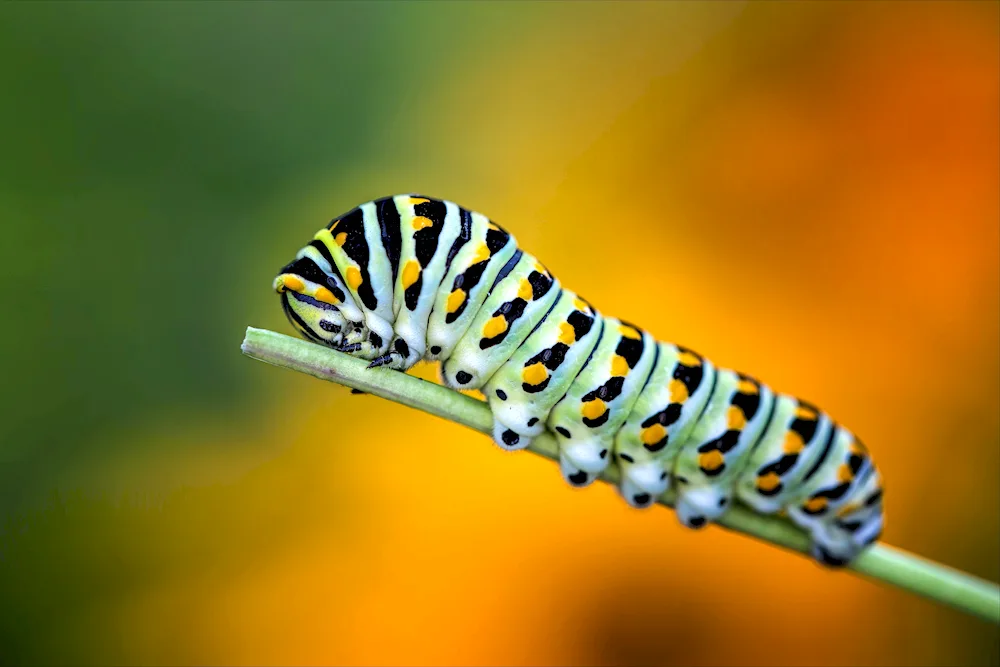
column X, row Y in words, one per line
column 807, row 191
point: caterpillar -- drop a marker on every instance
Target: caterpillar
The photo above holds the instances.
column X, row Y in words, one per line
column 409, row 277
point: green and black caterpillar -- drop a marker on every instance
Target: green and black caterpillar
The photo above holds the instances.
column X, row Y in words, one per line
column 406, row 278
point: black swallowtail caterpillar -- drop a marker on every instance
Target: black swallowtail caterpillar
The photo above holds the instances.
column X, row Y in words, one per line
column 406, row 278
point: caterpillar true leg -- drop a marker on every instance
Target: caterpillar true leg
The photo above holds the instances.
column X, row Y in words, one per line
column 408, row 277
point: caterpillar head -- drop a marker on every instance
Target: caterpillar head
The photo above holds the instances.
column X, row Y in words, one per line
column 316, row 302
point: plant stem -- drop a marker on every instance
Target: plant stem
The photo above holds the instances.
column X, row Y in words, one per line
column 881, row 562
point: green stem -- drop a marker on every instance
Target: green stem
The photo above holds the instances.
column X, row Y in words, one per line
column 888, row 564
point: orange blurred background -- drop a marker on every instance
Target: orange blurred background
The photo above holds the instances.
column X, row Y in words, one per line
column 809, row 192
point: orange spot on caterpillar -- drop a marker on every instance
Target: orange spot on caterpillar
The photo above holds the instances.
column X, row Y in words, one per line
column 534, row 374
column 567, row 334
column 455, row 300
column 737, row 420
column 482, row 254
column 524, row 290
column 678, row 391
column 353, row 275
column 494, row 327
column 808, row 414
column 688, row 359
column 410, row 273
column 593, row 409
column 619, row 366
column 326, row 296
column 629, row 332
column 768, row 482
column 710, row 461
column 653, row 434
column 815, row 504
column 793, row 443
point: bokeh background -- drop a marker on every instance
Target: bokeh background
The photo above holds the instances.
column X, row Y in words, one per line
column 805, row 191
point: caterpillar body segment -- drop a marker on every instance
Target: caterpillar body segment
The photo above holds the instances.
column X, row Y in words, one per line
column 661, row 420
column 474, row 267
column 836, row 486
column 716, row 450
column 354, row 242
column 600, row 399
column 524, row 390
column 419, row 269
column 522, row 295
column 798, row 435
column 408, row 277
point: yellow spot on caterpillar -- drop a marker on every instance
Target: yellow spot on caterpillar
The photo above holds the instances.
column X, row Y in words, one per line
column 495, row 326
column 326, row 296
column 768, row 482
column 619, row 366
column 857, row 449
column 629, row 332
column 580, row 304
column 535, row 374
column 847, row 509
column 844, row 473
column 418, row 200
column 354, row 277
column 688, row 359
column 525, row 291
column 747, row 387
column 293, row 283
column 678, row 391
column 737, row 420
column 340, row 239
column 540, row 268
column 420, row 222
column 710, row 461
column 653, row 434
column 455, row 300
column 815, row 504
column 808, row 414
column 482, row 254
column 567, row 334
column 333, row 225
column 593, row 409
column 410, row 273
column 793, row 443
column 493, row 227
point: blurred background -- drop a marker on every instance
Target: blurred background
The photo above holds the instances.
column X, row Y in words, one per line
column 805, row 191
